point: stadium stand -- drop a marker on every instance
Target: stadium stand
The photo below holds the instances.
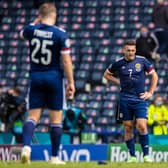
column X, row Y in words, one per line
column 97, row 30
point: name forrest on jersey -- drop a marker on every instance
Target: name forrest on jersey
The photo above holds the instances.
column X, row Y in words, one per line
column 45, row 34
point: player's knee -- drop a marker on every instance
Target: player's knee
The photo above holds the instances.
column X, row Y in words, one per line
column 142, row 128
column 56, row 120
column 128, row 128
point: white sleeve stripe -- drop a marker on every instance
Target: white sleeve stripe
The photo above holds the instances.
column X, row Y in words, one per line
column 65, row 52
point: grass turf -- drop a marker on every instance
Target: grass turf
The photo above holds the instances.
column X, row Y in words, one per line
column 16, row 164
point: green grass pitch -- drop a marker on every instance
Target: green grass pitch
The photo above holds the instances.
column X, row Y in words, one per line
column 16, row 164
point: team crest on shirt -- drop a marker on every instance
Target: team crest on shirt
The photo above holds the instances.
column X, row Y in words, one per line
column 138, row 67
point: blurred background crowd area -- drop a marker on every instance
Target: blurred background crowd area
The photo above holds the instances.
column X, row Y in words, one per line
column 97, row 29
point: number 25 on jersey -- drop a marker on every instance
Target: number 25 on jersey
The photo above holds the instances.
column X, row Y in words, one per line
column 40, row 47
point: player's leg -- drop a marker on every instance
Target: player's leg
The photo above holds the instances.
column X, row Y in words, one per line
column 127, row 117
column 144, row 138
column 30, row 125
column 55, row 135
column 129, row 139
column 28, row 130
column 55, row 102
column 141, row 124
column 36, row 102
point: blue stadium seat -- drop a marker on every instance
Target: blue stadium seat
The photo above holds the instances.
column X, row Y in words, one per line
column 96, row 96
column 97, row 30
column 80, row 85
column 91, row 112
column 82, row 97
column 108, row 113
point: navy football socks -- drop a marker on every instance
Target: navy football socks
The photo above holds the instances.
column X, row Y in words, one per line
column 55, row 135
column 28, row 130
column 131, row 146
column 144, row 141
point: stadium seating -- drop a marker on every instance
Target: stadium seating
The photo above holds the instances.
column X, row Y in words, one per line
column 97, row 30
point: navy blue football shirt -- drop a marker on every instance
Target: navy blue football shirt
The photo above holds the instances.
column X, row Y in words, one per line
column 132, row 75
column 47, row 43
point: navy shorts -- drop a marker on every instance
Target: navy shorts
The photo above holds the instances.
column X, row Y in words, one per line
column 130, row 109
column 46, row 90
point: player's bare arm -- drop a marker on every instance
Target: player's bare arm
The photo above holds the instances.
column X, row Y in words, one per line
column 67, row 64
column 36, row 21
column 154, row 80
column 109, row 76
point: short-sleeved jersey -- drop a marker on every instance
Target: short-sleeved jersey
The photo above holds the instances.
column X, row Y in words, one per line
column 47, row 43
column 132, row 75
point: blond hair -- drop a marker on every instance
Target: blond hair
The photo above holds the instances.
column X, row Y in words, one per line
column 46, row 9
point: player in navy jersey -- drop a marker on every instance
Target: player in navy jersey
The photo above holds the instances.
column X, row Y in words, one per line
column 131, row 71
column 49, row 59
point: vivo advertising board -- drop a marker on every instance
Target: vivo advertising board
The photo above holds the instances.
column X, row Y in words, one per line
column 67, row 152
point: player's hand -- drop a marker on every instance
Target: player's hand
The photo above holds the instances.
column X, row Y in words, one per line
column 70, row 91
column 145, row 95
